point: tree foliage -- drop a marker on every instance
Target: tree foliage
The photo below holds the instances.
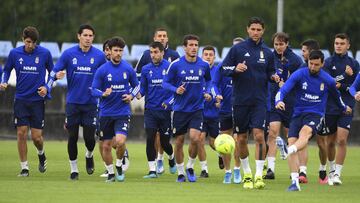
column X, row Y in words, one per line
column 217, row 22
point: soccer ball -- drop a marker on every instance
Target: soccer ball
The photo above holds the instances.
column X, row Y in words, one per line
column 224, row 144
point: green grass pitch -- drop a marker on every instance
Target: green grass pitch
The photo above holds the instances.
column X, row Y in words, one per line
column 54, row 185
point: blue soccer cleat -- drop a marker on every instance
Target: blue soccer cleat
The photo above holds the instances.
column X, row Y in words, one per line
column 227, row 178
column 294, row 187
column 172, row 166
column 181, row 178
column 237, row 176
column 191, row 175
column 152, row 174
column 160, row 167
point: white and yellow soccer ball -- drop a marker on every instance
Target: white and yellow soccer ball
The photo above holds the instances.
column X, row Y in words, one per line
column 224, row 144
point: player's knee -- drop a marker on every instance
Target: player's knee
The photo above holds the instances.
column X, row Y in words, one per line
column 342, row 142
column 242, row 140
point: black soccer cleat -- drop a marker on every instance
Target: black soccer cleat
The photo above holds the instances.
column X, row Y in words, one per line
column 42, row 163
column 204, row 174
column 90, row 165
column 221, row 163
column 74, row 176
column 24, row 173
column 269, row 174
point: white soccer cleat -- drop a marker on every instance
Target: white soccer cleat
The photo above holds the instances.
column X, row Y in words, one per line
column 336, row 180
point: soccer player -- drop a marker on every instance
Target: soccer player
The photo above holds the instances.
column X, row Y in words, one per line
column 157, row 119
column 160, row 35
column 251, row 65
column 306, row 47
column 126, row 161
column 80, row 63
column 113, row 82
column 211, row 117
column 30, row 62
column 312, row 86
column 224, row 85
column 186, row 78
column 286, row 62
column 344, row 70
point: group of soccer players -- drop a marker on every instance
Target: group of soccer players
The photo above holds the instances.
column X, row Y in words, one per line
column 253, row 90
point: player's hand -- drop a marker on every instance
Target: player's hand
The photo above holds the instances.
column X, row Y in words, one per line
column 338, row 85
column 275, row 78
column 3, row 86
column 281, row 83
column 207, row 97
column 218, row 105
column 357, row 96
column 107, row 92
column 42, row 91
column 280, row 105
column 60, row 74
column 180, row 90
column 348, row 110
column 349, row 71
column 127, row 98
column 219, row 98
column 241, row 67
column 138, row 96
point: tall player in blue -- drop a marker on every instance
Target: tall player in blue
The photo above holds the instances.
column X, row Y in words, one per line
column 30, row 63
column 80, row 63
column 312, row 86
column 186, row 78
column 116, row 83
column 157, row 119
column 344, row 70
column 160, row 35
column 251, row 65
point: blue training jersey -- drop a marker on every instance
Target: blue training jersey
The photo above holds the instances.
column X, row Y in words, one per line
column 250, row 86
column 210, row 110
column 30, row 71
column 151, row 85
column 284, row 66
column 195, row 76
column 224, row 85
column 80, row 69
column 121, row 78
column 335, row 66
column 311, row 91
column 169, row 55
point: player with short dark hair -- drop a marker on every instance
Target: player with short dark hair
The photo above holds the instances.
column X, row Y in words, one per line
column 157, row 113
column 312, row 86
column 116, row 83
column 30, row 62
column 344, row 70
column 251, row 66
column 80, row 63
column 186, row 78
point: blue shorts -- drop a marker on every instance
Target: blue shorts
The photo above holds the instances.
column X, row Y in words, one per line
column 226, row 121
column 332, row 122
column 310, row 119
column 211, row 127
column 81, row 114
column 159, row 120
column 113, row 125
column 29, row 113
column 183, row 121
column 249, row 117
column 281, row 116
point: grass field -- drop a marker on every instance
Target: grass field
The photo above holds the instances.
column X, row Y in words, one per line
column 55, row 186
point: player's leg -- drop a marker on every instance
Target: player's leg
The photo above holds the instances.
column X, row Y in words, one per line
column 72, row 122
column 226, row 127
column 293, row 160
column 105, row 174
column 331, row 152
column 121, row 127
column 274, row 131
column 160, row 154
column 89, row 127
column 150, row 151
column 164, row 123
column 341, row 139
column 107, row 157
column 202, row 152
column 180, row 126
